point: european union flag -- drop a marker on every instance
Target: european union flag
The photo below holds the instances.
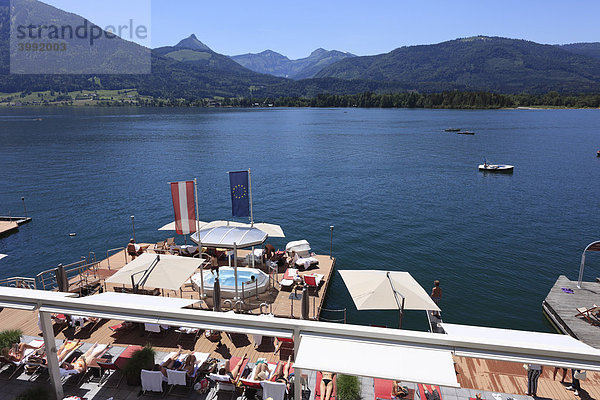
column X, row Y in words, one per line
column 240, row 199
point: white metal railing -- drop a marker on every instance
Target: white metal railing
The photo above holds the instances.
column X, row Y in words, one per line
column 19, row 282
column 115, row 250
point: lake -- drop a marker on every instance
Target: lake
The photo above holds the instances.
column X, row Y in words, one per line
column 402, row 194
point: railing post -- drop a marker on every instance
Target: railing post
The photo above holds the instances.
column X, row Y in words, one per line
column 297, row 371
column 50, row 344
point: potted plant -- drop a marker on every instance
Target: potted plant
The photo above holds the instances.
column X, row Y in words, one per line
column 348, row 387
column 9, row 337
column 141, row 359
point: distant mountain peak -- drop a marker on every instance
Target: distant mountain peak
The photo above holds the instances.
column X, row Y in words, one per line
column 318, row 51
column 192, row 43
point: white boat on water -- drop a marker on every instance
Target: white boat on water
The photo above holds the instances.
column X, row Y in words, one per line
column 496, row 167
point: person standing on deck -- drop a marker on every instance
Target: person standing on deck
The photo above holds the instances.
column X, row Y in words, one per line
column 533, row 374
column 436, row 295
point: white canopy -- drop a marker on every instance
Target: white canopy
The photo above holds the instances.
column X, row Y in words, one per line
column 226, row 236
column 371, row 290
column 270, row 229
column 171, row 226
column 376, row 359
column 508, row 337
column 151, row 302
column 170, row 272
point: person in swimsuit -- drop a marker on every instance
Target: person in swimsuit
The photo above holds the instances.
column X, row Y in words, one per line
column 327, row 385
column 398, row 392
column 282, row 374
column 234, row 374
column 261, row 371
column 16, row 352
column 189, row 365
column 172, row 362
column 80, row 365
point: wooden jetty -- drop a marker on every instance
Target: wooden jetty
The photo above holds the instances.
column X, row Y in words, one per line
column 560, row 306
column 11, row 224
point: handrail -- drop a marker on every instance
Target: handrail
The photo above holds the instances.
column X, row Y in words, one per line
column 19, row 282
column 115, row 249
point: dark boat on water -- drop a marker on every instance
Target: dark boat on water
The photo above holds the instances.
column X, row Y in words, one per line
column 466, row 133
column 452, row 130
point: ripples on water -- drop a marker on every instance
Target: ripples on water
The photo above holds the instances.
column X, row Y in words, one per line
column 402, row 194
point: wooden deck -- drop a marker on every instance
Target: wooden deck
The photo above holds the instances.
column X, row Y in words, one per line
column 7, row 227
column 506, row 377
column 561, row 308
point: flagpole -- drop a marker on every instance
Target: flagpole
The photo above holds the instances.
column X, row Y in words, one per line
column 250, row 194
column 199, row 241
column 251, row 215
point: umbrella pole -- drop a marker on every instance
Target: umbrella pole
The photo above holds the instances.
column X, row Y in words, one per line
column 400, row 306
column 199, row 241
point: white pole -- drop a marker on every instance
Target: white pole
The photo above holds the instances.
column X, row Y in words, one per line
column 235, row 269
column 202, row 295
column 297, row 372
column 50, row 345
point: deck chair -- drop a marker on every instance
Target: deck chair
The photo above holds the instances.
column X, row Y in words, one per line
column 154, row 328
column 180, row 378
column 383, row 390
column 288, row 278
column 284, row 344
column 589, row 313
column 224, row 383
column 109, row 370
column 429, row 392
column 170, row 242
column 187, row 335
column 313, row 281
column 152, row 381
column 20, row 364
column 71, row 377
column 273, row 390
column 318, row 394
column 159, row 248
column 250, row 383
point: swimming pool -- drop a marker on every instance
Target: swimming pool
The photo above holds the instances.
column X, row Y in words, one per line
column 227, row 281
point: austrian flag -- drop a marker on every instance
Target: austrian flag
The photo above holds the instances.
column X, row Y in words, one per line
column 183, row 204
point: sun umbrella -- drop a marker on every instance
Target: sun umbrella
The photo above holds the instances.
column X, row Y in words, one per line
column 171, row 226
column 387, row 290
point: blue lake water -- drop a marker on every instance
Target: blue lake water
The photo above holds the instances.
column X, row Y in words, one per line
column 401, row 193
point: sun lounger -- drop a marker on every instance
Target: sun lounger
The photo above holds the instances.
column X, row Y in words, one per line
column 383, row 390
column 429, row 392
column 318, row 387
column 306, row 262
column 67, row 375
column 313, row 280
column 289, row 277
column 224, row 382
column 39, row 344
column 589, row 313
column 250, row 382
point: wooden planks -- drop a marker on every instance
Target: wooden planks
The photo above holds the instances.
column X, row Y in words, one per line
column 561, row 307
column 8, row 226
column 506, row 377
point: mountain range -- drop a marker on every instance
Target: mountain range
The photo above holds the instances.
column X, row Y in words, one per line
column 273, row 63
column 191, row 70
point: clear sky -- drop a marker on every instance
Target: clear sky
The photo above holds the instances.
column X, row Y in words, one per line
column 295, row 28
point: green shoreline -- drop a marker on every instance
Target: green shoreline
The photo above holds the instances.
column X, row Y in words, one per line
column 445, row 100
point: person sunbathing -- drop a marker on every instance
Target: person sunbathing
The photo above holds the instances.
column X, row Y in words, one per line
column 173, row 362
column 327, row 385
column 224, row 369
column 261, row 371
column 16, row 352
column 398, row 391
column 282, row 374
column 81, row 364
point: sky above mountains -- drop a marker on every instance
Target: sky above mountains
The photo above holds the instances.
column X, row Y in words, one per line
column 295, row 29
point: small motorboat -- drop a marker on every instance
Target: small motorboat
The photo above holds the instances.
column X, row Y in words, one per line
column 496, row 167
column 466, row 133
column 452, row 130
